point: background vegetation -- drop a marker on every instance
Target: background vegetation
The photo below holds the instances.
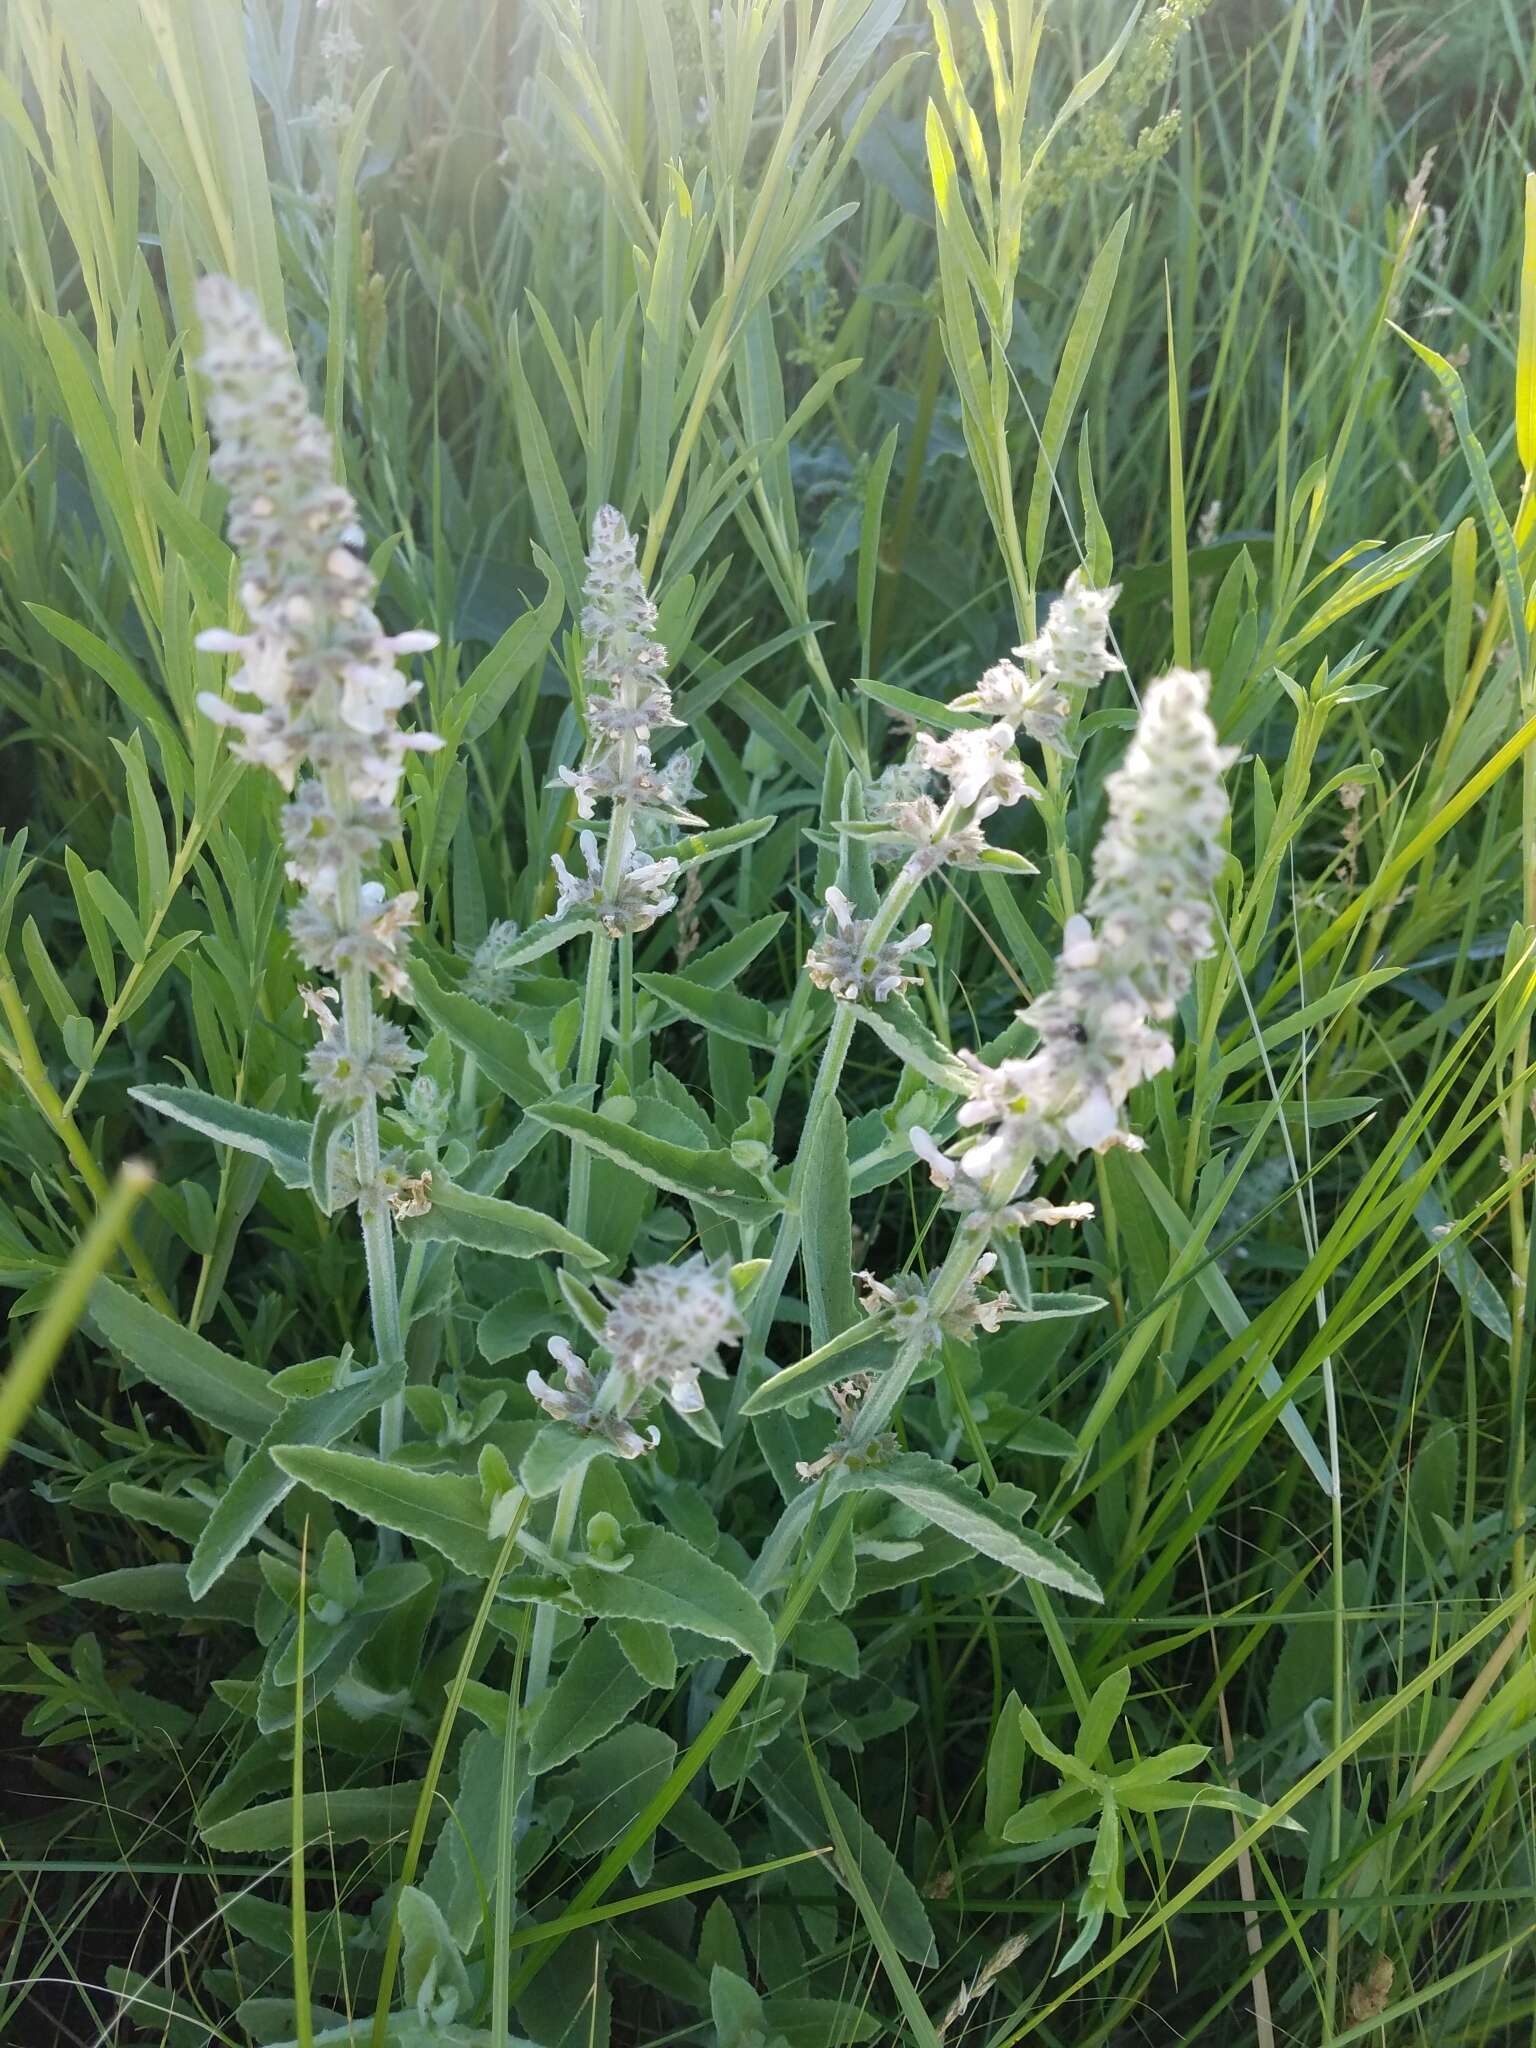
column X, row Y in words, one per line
column 691, row 260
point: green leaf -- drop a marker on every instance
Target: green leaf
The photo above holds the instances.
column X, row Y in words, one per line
column 897, row 1025
column 1006, row 1754
column 365, row 1814
column 830, row 1362
column 937, row 1493
column 1076, row 360
column 1098, row 1723
column 163, row 1589
column 442, row 1509
column 598, row 1689
column 785, row 1781
column 826, row 1228
column 490, row 1225
column 222, row 1391
column 1457, row 1262
column 695, row 848
column 261, row 1484
column 707, row 1175
column 1506, row 552
column 929, row 711
column 483, row 696
column 668, row 1581
column 716, row 1009
column 1388, row 570
column 724, row 963
column 282, row 1141
column 648, row 1646
column 499, row 1047
column 869, row 540
column 555, row 1453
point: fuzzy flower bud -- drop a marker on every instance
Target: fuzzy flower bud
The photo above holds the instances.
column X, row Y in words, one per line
column 1074, row 652
column 622, row 655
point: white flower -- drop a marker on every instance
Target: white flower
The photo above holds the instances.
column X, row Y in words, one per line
column 918, row 825
column 606, row 778
column 843, row 961
column 1074, row 650
column 1022, row 697
column 347, row 1076
column 317, row 661
column 983, row 772
column 1162, row 846
column 371, row 941
column 668, row 1323
column 642, row 894
column 578, row 1403
column 905, row 1299
column 1160, row 852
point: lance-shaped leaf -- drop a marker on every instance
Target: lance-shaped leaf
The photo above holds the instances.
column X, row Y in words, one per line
column 785, row 1780
column 717, row 1009
column 599, row 1688
column 282, row 1141
column 163, row 1589
column 442, row 1509
column 705, row 1174
column 222, row 1391
column 261, row 1483
column 832, row 1361
column 364, row 1814
column 938, row 1493
column 500, row 1049
column 898, row 1026
column 489, row 1225
column 667, row 1580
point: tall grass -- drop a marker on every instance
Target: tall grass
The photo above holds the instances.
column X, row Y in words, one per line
column 872, row 359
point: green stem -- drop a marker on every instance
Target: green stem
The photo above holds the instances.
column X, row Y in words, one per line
column 594, row 1017
column 378, row 1236
column 567, row 1507
column 424, row 1804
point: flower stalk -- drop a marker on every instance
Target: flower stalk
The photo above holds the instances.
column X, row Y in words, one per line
column 328, row 693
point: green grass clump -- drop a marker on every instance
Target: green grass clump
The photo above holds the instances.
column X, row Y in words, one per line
column 1126, row 1640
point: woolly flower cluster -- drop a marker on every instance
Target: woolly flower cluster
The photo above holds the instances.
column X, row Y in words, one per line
column 1127, row 962
column 845, row 962
column 665, row 1325
column 627, row 700
column 859, row 960
column 1072, row 653
column 322, row 672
